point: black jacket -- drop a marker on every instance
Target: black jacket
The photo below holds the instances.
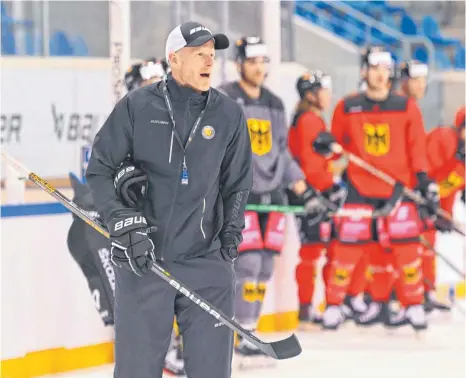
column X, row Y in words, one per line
column 191, row 219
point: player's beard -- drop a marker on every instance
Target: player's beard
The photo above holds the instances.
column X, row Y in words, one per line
column 252, row 82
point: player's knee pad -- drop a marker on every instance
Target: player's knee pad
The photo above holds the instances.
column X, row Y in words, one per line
column 403, row 226
column 252, row 234
column 354, row 229
column 248, row 266
column 267, row 267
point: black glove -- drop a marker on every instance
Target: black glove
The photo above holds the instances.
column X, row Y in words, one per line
column 132, row 249
column 392, row 203
column 323, row 143
column 443, row 225
column 130, row 184
column 429, row 190
column 326, row 202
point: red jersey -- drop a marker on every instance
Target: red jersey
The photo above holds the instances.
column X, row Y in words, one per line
column 387, row 134
column 317, row 169
column 444, row 167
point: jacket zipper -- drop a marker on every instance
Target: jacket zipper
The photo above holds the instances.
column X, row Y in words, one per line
column 202, row 218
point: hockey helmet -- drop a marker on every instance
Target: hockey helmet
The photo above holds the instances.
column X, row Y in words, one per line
column 250, row 47
column 374, row 55
column 411, row 69
column 313, row 81
column 142, row 71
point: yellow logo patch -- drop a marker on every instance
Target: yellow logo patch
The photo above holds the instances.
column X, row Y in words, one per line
column 377, row 139
column 450, row 184
column 249, row 291
column 341, row 277
column 260, row 132
column 208, row 132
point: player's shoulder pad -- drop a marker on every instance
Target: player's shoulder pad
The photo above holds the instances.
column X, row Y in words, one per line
column 227, row 88
column 359, row 103
column 272, row 100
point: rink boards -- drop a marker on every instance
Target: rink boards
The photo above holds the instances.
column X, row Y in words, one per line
column 49, row 322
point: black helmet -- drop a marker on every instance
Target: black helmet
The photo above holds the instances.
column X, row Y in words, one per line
column 312, row 81
column 411, row 69
column 250, row 47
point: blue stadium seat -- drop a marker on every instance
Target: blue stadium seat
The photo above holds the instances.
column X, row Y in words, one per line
column 421, row 54
column 60, row 45
column 408, row 26
column 442, row 60
column 8, row 40
column 30, row 43
column 459, row 59
column 431, row 30
column 80, row 47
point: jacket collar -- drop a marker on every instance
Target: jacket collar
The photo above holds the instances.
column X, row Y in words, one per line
column 180, row 93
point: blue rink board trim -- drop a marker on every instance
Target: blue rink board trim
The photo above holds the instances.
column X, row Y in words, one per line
column 31, row 209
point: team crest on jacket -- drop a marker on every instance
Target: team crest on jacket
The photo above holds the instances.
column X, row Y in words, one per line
column 260, row 133
column 208, row 132
column 377, row 138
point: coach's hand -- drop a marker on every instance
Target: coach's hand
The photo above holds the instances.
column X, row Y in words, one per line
column 132, row 249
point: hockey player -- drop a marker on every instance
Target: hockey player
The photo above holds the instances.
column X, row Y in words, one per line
column 144, row 73
column 445, row 153
column 315, row 91
column 386, row 130
column 273, row 170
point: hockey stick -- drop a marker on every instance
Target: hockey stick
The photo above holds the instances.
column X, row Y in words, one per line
column 300, row 210
column 338, row 149
column 426, row 243
column 279, row 350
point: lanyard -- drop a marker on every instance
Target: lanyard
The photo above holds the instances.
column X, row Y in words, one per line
column 184, row 173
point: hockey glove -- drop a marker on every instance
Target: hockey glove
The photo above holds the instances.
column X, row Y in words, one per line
column 130, row 184
column 392, row 203
column 429, row 190
column 323, row 143
column 132, row 249
column 443, row 225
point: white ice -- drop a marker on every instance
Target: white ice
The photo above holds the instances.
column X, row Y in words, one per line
column 363, row 353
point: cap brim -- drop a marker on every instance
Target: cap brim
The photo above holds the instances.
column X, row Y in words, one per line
column 221, row 41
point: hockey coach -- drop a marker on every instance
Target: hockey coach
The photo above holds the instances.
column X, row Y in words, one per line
column 191, row 144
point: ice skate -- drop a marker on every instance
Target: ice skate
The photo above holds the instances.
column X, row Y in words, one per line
column 377, row 312
column 174, row 363
column 308, row 319
column 354, row 306
column 333, row 317
column 431, row 303
column 248, row 356
column 413, row 315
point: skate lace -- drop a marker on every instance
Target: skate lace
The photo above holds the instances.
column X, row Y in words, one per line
column 371, row 313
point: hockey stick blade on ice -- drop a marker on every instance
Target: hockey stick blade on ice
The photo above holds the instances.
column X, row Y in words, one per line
column 279, row 350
